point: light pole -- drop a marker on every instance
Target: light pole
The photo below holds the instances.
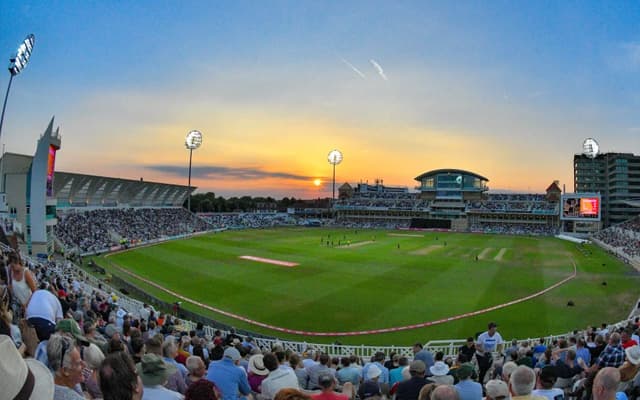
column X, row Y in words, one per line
column 16, row 64
column 334, row 158
column 192, row 142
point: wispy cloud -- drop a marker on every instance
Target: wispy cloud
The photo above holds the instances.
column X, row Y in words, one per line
column 353, row 68
column 210, row 171
column 379, row 69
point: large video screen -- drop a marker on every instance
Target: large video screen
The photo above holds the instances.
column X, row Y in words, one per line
column 51, row 166
column 581, row 207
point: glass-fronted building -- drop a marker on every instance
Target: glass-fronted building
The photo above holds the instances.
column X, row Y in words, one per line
column 616, row 177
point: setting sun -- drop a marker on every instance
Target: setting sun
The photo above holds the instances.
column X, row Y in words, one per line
column 317, row 182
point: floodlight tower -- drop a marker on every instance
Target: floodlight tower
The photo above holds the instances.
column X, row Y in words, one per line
column 334, row 158
column 16, row 64
column 192, row 142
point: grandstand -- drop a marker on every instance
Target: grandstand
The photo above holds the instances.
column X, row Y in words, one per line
column 451, row 199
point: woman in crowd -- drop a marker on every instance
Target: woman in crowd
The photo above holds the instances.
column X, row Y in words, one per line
column 21, row 282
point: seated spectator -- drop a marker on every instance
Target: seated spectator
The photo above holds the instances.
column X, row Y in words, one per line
column 626, row 340
column 226, row 375
column 466, row 388
column 176, row 381
column 605, row 384
column 370, row 388
column 497, row 390
column 546, row 380
column 155, row 373
column 440, row 374
column 301, row 373
column 93, row 357
column 315, row 370
column 445, row 392
column 395, row 375
column 291, row 394
column 196, row 369
column 349, row 373
column 278, row 378
column 630, row 368
column 410, row 389
column 201, row 390
column 19, row 378
column 327, row 384
column 67, row 365
column 257, row 372
column 118, row 378
column 521, row 384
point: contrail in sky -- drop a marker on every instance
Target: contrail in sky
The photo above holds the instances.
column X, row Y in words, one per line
column 353, row 68
column 379, row 69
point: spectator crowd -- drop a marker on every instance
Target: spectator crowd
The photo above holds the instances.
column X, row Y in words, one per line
column 98, row 230
column 624, row 236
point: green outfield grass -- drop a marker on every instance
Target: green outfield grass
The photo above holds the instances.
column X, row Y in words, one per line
column 384, row 280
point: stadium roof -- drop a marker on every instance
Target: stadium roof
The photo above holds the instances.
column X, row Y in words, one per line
column 449, row 171
column 72, row 189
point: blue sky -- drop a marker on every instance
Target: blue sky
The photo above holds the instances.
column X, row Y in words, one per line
column 505, row 89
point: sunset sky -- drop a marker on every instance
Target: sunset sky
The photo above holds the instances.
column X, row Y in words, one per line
column 508, row 90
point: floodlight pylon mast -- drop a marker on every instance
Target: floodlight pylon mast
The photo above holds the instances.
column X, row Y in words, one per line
column 4, row 105
column 189, row 184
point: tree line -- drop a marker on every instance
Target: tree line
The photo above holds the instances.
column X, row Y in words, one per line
column 208, row 202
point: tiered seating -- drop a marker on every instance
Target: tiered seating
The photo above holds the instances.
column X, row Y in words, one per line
column 98, row 230
column 624, row 236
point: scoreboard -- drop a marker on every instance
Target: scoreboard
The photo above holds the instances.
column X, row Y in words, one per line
column 580, row 207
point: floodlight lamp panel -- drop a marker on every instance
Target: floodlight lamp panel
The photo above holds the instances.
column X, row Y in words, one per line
column 193, row 140
column 335, row 157
column 590, row 148
column 18, row 62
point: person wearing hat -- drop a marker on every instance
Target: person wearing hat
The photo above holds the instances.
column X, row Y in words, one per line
column 378, row 359
column 279, row 378
column 630, row 367
column 467, row 389
column 370, row 388
column 22, row 378
column 66, row 364
column 70, row 327
column 154, row 373
column 176, row 382
column 228, row 376
column 546, row 380
column 497, row 390
column 257, row 372
column 440, row 374
column 410, row 389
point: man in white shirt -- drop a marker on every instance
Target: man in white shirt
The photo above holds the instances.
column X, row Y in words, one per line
column 279, row 378
column 491, row 339
column 43, row 311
